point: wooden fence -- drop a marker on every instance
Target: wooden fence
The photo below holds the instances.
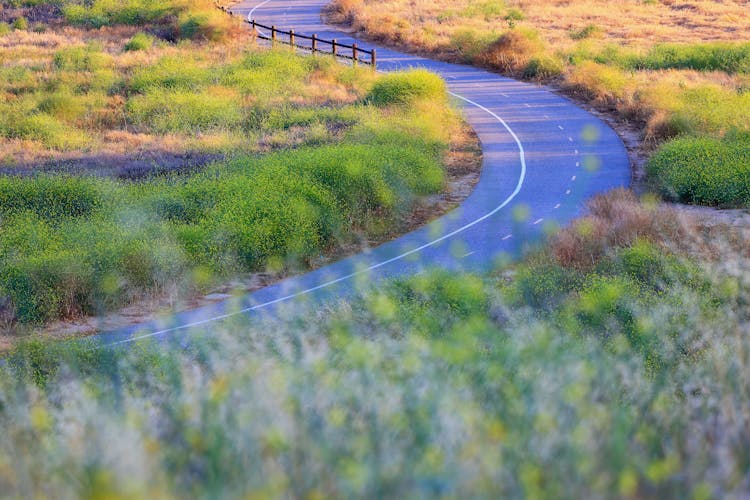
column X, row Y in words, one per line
column 312, row 43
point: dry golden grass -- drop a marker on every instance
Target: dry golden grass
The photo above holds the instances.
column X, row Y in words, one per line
column 563, row 37
column 617, row 220
column 429, row 23
column 99, row 117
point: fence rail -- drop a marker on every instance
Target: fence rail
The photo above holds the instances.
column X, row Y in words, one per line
column 289, row 37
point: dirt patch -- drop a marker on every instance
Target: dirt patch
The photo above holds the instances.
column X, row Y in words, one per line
column 43, row 13
column 138, row 166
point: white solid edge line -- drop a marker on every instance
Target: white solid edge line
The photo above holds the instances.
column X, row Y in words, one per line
column 252, row 11
column 519, row 184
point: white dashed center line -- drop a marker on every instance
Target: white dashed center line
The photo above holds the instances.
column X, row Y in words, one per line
column 507, row 237
column 538, row 221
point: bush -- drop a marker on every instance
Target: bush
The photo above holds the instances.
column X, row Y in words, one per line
column 703, row 171
column 512, row 51
column 589, row 31
column 470, row 44
column 20, row 24
column 140, row 41
column 542, row 68
column 80, row 58
column 210, row 25
column 46, row 129
column 407, row 87
column 62, row 105
column 513, row 16
column 694, row 110
column 5, row 28
column 598, row 82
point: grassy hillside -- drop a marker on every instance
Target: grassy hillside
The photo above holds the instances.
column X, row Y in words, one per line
column 146, row 159
column 679, row 69
column 613, row 364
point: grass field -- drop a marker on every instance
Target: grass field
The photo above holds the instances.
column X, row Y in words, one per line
column 610, row 362
column 609, row 365
column 144, row 160
column 677, row 69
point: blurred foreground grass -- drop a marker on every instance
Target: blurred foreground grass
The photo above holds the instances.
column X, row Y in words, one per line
column 613, row 363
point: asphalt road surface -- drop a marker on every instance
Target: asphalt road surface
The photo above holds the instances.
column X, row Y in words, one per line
column 543, row 158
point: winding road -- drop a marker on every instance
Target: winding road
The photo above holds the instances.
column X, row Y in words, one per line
column 543, row 157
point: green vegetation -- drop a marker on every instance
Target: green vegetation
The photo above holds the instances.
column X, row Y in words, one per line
column 21, row 23
column 704, row 171
column 405, row 88
column 440, row 385
column 140, row 41
column 75, row 246
column 179, row 18
column 298, row 157
column 726, row 57
column 588, row 31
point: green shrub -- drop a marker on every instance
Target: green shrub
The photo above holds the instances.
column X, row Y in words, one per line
column 703, row 171
column 140, row 41
column 652, row 267
column 589, row 31
column 513, row 16
column 471, row 44
column 5, row 28
column 62, row 105
column 705, row 109
column 406, row 88
column 541, row 284
column 44, row 128
column 81, row 58
column 543, row 67
column 20, row 24
column 204, row 25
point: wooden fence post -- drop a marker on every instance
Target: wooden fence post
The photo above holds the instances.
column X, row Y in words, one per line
column 314, row 43
column 273, row 35
column 333, row 47
column 354, row 53
column 291, row 38
column 374, row 59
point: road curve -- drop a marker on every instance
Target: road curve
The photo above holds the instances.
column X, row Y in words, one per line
column 543, row 157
